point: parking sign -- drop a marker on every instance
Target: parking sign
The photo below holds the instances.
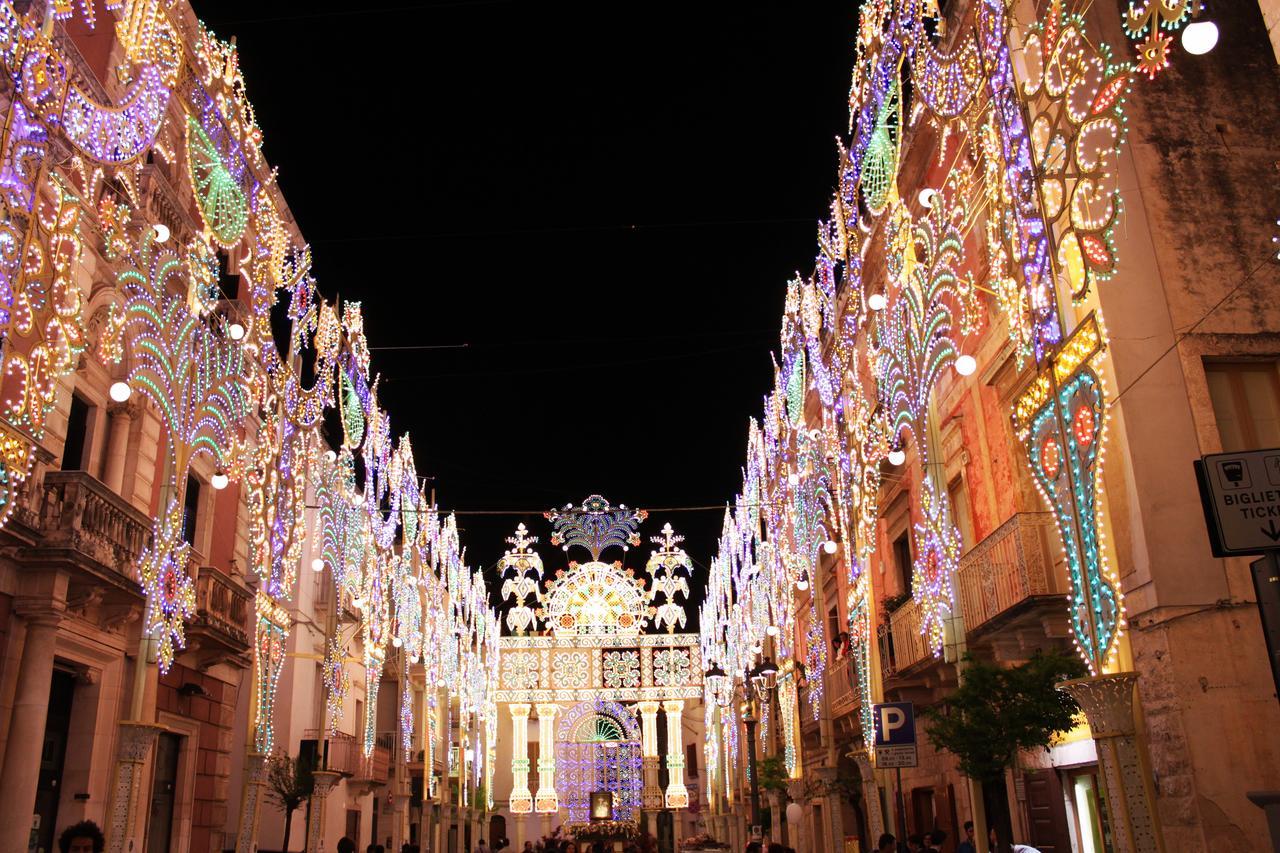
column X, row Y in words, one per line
column 895, row 744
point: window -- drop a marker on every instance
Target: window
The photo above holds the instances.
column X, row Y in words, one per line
column 77, row 432
column 1246, row 403
column 228, row 278
column 190, row 511
column 902, row 560
column 691, row 760
column 960, row 511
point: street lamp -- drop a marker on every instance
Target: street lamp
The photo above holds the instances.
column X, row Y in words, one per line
column 749, row 718
column 759, row 681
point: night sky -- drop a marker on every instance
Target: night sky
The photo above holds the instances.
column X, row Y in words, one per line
column 602, row 201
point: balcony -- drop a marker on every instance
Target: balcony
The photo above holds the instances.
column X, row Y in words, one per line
column 344, row 750
column 220, row 631
column 840, row 683
column 80, row 524
column 163, row 203
column 1015, row 579
column 375, row 769
column 902, row 645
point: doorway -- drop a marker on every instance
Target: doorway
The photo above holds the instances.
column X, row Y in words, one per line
column 163, row 792
column 53, row 756
column 497, row 830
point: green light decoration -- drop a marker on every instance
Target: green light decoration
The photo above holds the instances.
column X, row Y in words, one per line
column 1061, row 420
column 880, row 165
column 599, row 729
column 222, row 202
column 795, row 389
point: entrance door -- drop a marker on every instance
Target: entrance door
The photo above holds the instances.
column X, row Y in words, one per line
column 53, row 756
column 163, row 790
column 1046, row 811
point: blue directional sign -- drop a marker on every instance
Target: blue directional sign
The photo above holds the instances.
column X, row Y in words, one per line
column 895, row 744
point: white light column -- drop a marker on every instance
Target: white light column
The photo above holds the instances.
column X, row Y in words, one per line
column 651, row 794
column 546, row 801
column 521, row 798
column 677, row 794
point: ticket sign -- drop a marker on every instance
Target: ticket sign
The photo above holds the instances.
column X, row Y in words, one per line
column 1241, row 496
column 895, row 724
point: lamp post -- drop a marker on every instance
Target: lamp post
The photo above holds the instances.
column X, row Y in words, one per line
column 749, row 717
column 758, row 683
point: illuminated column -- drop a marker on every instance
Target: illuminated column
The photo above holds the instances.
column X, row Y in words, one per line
column 546, row 802
column 650, row 794
column 677, row 795
column 521, row 798
column 1107, row 702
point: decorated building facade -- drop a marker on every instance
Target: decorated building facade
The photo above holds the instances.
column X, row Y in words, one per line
column 1032, row 308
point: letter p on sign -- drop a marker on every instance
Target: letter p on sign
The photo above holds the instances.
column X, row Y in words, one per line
column 895, row 724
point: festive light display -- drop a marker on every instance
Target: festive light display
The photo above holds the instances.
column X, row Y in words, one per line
column 662, row 567
column 198, row 382
column 220, row 383
column 1145, row 20
column 598, row 748
column 1027, row 160
column 1075, row 94
column 522, row 584
column 223, row 205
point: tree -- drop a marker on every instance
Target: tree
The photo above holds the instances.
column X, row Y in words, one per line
column 289, row 783
column 996, row 712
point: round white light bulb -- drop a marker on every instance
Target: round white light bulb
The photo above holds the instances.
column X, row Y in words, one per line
column 162, row 232
column 966, row 365
column 802, row 584
column 357, row 602
column 793, row 479
column 219, row 480
column 927, row 196
column 331, row 455
column 235, row 331
column 120, row 391
column 317, row 565
column 876, row 302
column 897, row 457
column 830, row 546
column 1200, row 37
column 397, row 642
column 772, row 630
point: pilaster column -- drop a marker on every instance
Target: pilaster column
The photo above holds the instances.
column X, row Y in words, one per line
column 546, row 802
column 255, row 785
column 119, row 421
column 1107, row 702
column 832, row 817
column 677, row 794
column 324, row 782
column 870, row 794
column 521, row 801
column 650, row 794
column 27, row 724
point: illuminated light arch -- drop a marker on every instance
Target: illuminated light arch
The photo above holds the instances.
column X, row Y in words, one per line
column 598, row 748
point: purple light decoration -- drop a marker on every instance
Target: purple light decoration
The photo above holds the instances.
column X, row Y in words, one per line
column 117, row 134
column 1029, row 233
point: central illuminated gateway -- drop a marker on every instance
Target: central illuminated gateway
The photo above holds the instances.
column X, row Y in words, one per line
column 590, row 658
